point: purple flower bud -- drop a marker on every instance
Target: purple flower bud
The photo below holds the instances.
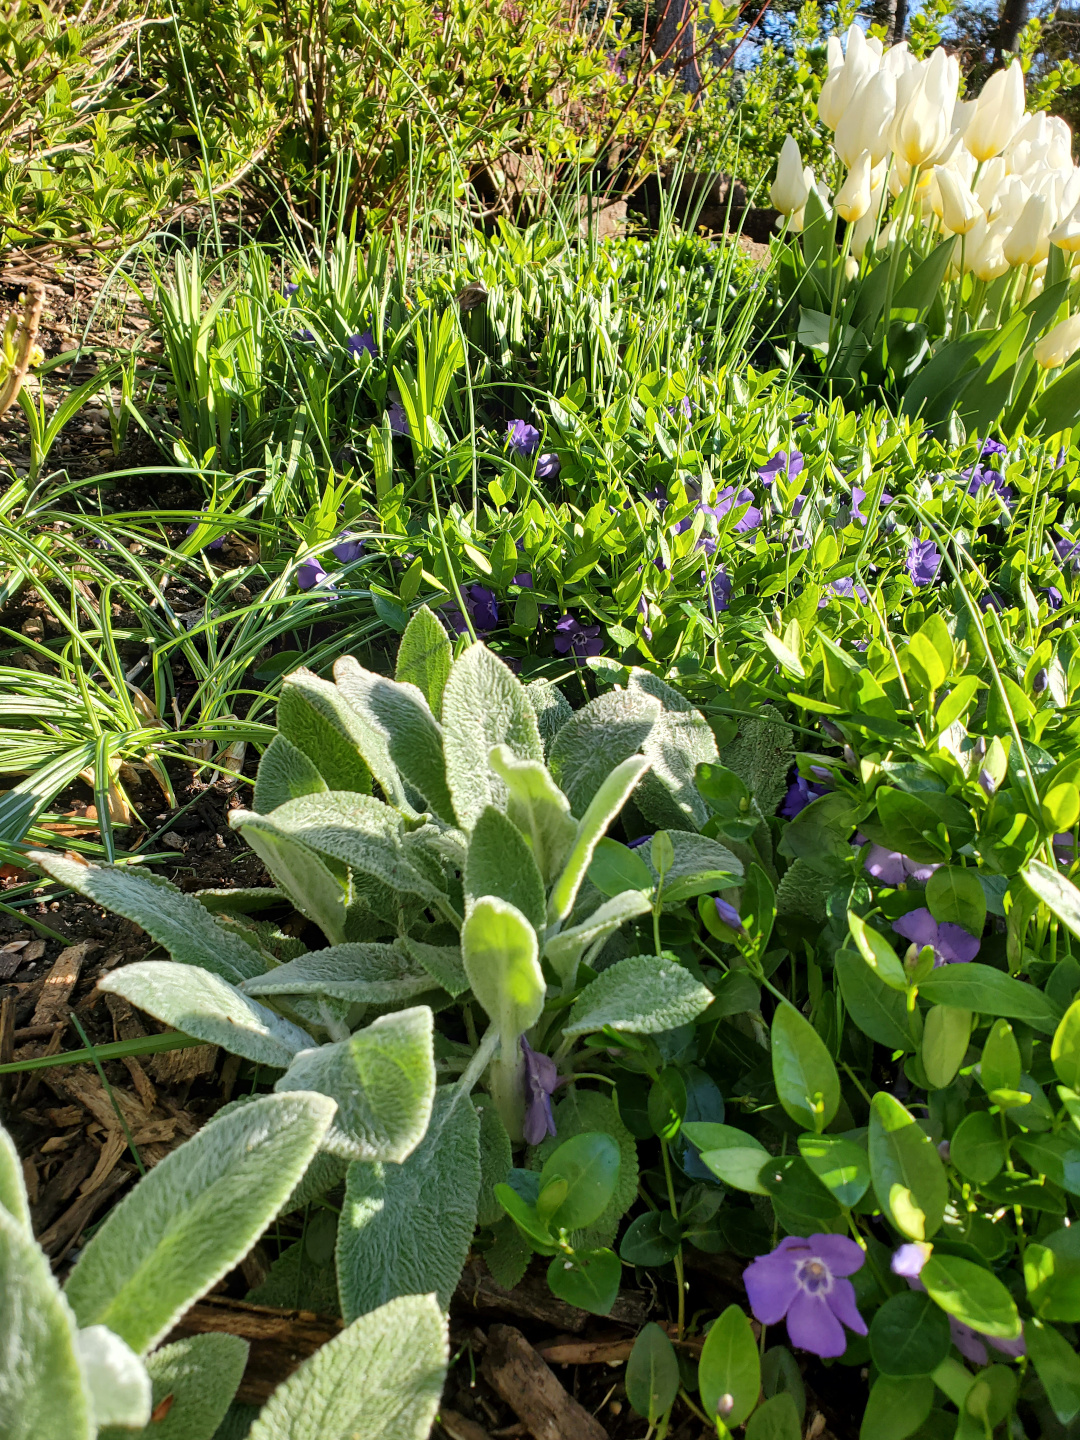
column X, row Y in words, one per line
column 943, row 1150
column 289, row 290
column 908, row 1261
column 988, row 783
column 1054, row 597
column 548, row 466
column 1041, row 681
column 729, row 916
column 641, row 840
column 541, row 1079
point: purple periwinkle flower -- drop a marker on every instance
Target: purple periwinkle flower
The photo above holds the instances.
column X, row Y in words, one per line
column 573, row 638
column 858, row 496
column 980, row 476
column 541, row 1078
column 525, row 580
column 988, row 784
column 304, row 337
column 988, row 600
column 1067, row 550
column 846, row 589
column 726, row 499
column 728, row 915
column 922, row 562
column 357, row 345
column 522, row 438
column 801, row 793
column 1054, row 597
column 890, row 867
column 952, row 944
column 347, row 548
column 483, row 610
column 548, row 466
column 782, row 464
column 1040, row 681
column 399, row 421
column 805, row 1279
column 310, row 573
column 289, row 290
column 993, row 447
column 721, row 587
column 658, row 495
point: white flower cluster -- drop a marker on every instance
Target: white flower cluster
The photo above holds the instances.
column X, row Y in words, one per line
column 983, row 169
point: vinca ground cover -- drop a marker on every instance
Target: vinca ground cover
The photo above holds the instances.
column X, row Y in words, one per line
column 656, row 770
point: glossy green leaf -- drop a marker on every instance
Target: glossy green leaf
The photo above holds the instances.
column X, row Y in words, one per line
column 971, row 1294
column 588, row 1280
column 842, row 1166
column 896, row 1408
column 775, row 1419
column 1065, row 1049
column 589, row 1163
column 878, row 953
column 954, row 895
column 909, row 1335
column 946, row 1032
column 499, row 949
column 730, row 1365
column 652, row 1374
column 987, row 991
column 909, row 1178
column 977, row 1147
column 731, row 1154
column 1057, row 1366
column 804, row 1072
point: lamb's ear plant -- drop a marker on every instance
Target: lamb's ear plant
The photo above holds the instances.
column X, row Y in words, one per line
column 87, row 1360
column 419, row 824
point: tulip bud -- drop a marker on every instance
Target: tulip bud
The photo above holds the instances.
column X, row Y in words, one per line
column 790, row 188
column 1030, row 136
column 989, row 183
column 865, row 123
column 1063, row 341
column 997, row 114
column 1029, row 239
column 925, row 123
column 1059, row 151
column 959, row 208
column 853, row 198
column 839, row 89
column 1067, row 233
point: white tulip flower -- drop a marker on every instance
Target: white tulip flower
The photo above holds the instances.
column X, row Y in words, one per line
column 865, row 123
column 1059, row 345
column 1028, row 241
column 959, row 209
column 998, row 112
column 923, row 126
column 790, row 188
column 853, row 198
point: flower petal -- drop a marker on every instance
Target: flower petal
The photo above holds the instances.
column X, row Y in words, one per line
column 841, row 1301
column 771, row 1286
column 812, row 1326
column 967, row 1342
column 918, row 925
column 840, row 1254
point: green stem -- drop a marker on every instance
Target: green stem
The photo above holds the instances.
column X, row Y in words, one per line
column 897, row 242
column 679, row 1273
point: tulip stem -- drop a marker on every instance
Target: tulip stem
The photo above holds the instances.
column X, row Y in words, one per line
column 837, row 282
column 899, row 228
